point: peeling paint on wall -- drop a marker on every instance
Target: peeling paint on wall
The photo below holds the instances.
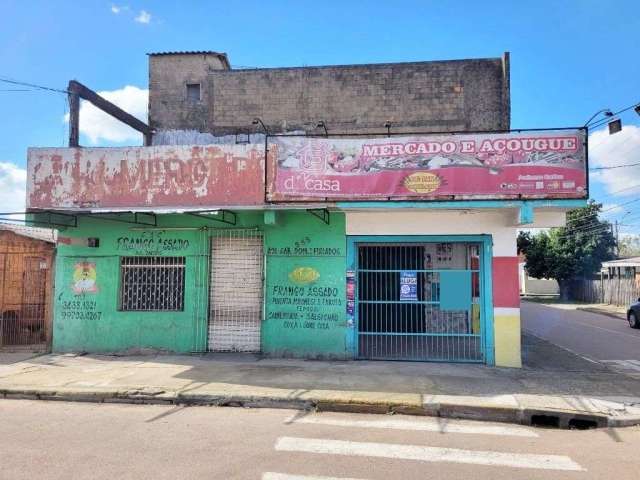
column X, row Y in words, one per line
column 203, row 176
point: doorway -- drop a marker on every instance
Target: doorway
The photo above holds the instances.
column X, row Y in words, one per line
column 236, row 291
column 420, row 301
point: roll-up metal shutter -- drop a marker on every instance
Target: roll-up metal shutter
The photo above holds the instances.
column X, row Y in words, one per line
column 236, row 295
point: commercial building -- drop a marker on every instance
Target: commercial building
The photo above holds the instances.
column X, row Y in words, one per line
column 376, row 219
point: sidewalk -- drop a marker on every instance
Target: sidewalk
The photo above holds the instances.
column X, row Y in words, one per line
column 564, row 389
column 601, row 308
column 604, row 309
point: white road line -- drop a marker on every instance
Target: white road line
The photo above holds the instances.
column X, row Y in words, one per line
column 426, row 454
column 625, row 364
column 418, row 424
column 285, row 476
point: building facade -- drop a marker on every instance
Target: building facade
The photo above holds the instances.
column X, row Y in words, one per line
column 376, row 220
column 26, row 286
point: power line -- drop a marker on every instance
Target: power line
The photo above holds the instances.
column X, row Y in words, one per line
column 582, row 215
column 615, row 192
column 586, row 228
column 607, row 119
column 32, row 85
column 600, row 230
column 614, row 166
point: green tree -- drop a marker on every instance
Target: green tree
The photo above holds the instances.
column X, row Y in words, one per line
column 629, row 246
column 576, row 250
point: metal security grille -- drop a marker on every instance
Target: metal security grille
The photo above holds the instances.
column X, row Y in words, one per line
column 152, row 283
column 419, row 302
column 236, row 291
column 23, row 283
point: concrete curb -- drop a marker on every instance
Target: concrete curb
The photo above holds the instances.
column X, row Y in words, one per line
column 549, row 417
column 618, row 316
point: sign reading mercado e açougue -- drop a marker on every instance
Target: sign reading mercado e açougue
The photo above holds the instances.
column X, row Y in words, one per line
column 533, row 164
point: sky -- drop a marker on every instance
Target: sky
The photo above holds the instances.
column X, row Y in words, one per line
column 569, row 59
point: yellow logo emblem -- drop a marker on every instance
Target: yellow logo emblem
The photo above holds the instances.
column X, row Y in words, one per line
column 304, row 275
column 422, row 182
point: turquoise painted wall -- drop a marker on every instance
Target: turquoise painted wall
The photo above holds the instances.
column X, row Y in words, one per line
column 305, row 287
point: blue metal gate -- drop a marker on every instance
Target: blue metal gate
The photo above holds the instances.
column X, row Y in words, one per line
column 420, row 301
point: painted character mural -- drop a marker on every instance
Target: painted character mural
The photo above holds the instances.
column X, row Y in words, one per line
column 84, row 278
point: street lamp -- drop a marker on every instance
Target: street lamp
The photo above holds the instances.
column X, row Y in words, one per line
column 614, row 126
column 606, row 111
column 321, row 124
column 258, row 121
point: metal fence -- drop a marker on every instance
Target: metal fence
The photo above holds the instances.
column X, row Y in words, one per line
column 23, row 300
column 394, row 325
column 618, row 291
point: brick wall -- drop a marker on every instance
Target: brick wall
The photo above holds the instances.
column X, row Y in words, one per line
column 458, row 95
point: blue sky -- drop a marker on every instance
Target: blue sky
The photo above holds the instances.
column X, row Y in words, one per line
column 568, row 60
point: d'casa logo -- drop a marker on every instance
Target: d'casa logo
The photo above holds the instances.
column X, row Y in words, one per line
column 313, row 184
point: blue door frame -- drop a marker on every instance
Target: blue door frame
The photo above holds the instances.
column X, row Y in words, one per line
column 486, row 287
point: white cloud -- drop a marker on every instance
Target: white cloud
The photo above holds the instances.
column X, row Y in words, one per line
column 98, row 126
column 619, row 149
column 143, row 17
column 116, row 9
column 13, row 181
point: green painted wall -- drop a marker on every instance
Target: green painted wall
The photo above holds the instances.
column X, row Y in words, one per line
column 90, row 321
column 305, row 287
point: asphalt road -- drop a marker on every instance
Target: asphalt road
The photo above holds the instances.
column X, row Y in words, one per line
column 591, row 335
column 57, row 440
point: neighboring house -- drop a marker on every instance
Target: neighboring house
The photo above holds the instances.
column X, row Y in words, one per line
column 621, row 268
column 26, row 286
column 620, row 281
column 372, row 222
column 535, row 286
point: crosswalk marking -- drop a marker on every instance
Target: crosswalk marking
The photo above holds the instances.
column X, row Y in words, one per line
column 285, row 476
column 426, row 454
column 419, row 424
column 626, row 364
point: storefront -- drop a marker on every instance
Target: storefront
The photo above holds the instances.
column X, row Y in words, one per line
column 333, row 248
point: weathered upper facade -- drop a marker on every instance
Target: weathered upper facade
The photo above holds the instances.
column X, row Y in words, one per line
column 169, row 75
column 396, row 242
column 437, row 96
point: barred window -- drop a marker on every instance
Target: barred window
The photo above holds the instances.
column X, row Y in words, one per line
column 152, row 283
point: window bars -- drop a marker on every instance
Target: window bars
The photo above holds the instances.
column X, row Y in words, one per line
column 152, row 283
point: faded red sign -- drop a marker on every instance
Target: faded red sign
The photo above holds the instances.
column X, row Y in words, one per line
column 170, row 176
column 539, row 164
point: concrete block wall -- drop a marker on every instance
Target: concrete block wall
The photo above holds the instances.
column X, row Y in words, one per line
column 456, row 95
column 169, row 74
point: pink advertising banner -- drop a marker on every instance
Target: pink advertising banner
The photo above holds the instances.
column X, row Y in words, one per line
column 530, row 164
